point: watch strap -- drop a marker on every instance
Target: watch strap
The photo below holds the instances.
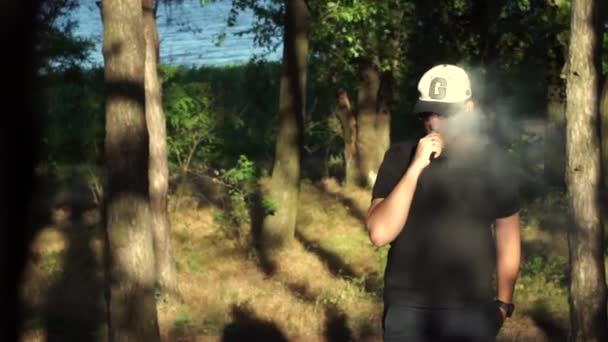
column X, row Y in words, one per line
column 509, row 307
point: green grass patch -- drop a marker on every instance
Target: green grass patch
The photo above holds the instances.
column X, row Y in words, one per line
column 184, row 319
column 195, row 262
column 52, row 263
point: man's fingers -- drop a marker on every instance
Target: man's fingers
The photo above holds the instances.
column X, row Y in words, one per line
column 433, row 137
column 437, row 152
column 428, row 147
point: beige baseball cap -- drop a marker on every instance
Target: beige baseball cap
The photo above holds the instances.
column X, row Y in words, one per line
column 442, row 89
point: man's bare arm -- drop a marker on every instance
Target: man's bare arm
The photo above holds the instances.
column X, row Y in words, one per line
column 508, row 255
column 387, row 216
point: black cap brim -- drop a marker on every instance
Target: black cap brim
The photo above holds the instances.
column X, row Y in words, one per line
column 443, row 108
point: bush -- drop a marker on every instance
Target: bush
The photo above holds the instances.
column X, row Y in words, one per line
column 74, row 124
column 242, row 183
column 191, row 125
column 553, row 270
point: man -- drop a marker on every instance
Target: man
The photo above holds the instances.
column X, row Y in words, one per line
column 435, row 201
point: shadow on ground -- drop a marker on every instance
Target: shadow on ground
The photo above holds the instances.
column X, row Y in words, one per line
column 349, row 203
column 331, row 260
column 245, row 326
column 74, row 307
column 336, row 328
column 551, row 326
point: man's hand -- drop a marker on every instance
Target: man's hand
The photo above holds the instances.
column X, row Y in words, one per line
column 429, row 144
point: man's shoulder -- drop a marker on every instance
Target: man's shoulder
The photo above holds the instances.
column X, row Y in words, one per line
column 399, row 155
column 405, row 145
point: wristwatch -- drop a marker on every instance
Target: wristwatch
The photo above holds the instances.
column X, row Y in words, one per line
column 509, row 307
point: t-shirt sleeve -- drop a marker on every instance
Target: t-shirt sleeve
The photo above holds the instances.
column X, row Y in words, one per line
column 505, row 185
column 394, row 163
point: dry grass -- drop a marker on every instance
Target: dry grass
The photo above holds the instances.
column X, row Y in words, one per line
column 307, row 295
column 326, row 284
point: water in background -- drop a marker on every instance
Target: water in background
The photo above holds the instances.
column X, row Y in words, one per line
column 188, row 33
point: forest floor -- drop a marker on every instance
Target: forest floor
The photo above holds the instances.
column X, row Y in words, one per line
column 326, row 286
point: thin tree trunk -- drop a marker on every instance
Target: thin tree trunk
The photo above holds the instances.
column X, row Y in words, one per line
column 601, row 28
column 285, row 181
column 604, row 157
column 158, row 169
column 367, row 99
column 587, row 274
column 129, row 258
column 383, row 116
column 349, row 134
column 555, row 150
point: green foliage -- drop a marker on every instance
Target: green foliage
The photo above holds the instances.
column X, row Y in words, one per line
column 241, row 186
column 242, row 121
column 269, row 206
column 241, row 178
column 324, row 133
column 267, row 29
column 74, row 115
column 345, row 32
column 241, row 181
column 191, row 124
column 544, row 280
column 57, row 49
column 549, row 210
column 551, row 270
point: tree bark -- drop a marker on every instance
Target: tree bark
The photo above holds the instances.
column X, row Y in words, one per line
column 285, row 181
column 587, row 274
column 601, row 19
column 383, row 116
column 604, row 157
column 367, row 140
column 129, row 246
column 158, row 173
column 349, row 134
column 555, row 150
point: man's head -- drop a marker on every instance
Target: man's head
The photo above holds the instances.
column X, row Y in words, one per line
column 444, row 91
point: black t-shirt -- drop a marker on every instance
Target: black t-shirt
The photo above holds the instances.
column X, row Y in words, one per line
column 445, row 255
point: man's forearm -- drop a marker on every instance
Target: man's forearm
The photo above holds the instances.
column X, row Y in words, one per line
column 506, row 279
column 386, row 220
column 508, row 256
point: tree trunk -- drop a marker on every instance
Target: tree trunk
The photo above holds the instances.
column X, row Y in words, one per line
column 349, row 134
column 604, row 158
column 285, row 182
column 555, row 135
column 604, row 120
column 158, row 169
column 383, row 116
column 130, row 258
column 367, row 141
column 587, row 274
